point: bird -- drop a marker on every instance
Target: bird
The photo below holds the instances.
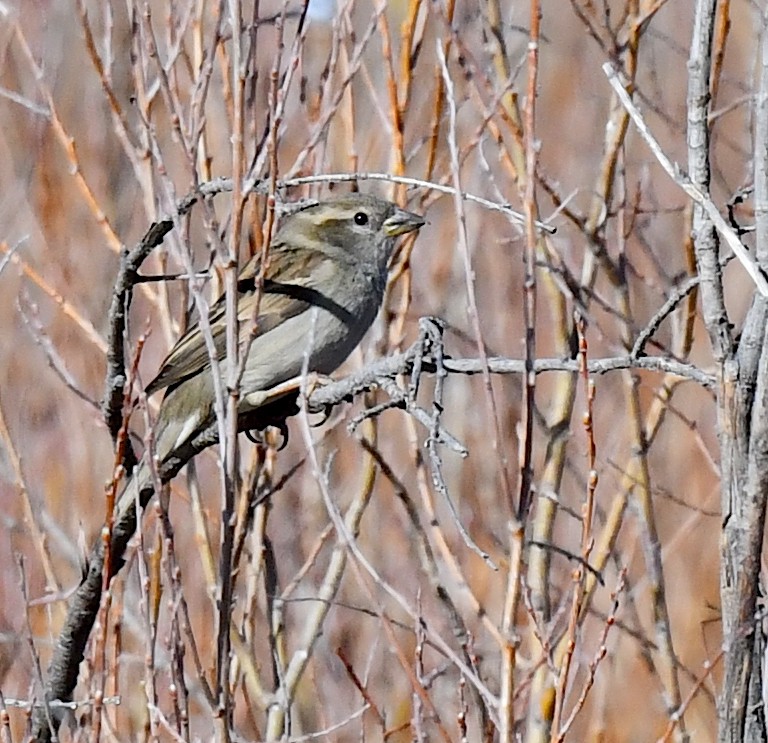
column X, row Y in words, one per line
column 323, row 286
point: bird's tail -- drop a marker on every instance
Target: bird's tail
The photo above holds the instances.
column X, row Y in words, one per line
column 138, row 491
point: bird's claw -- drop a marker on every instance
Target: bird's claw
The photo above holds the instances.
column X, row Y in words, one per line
column 256, row 435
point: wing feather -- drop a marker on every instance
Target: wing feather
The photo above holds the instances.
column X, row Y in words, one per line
column 280, row 300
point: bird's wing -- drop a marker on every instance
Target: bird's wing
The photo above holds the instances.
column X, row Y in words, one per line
column 279, row 301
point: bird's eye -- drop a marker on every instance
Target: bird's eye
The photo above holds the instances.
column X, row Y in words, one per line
column 361, row 218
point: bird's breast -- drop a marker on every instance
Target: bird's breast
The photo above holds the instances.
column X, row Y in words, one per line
column 322, row 336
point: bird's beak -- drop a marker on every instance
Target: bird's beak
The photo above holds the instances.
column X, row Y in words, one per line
column 401, row 222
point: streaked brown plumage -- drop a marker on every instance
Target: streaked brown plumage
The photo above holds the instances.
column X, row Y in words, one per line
column 323, row 287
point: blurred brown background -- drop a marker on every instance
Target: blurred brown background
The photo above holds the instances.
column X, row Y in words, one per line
column 84, row 173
